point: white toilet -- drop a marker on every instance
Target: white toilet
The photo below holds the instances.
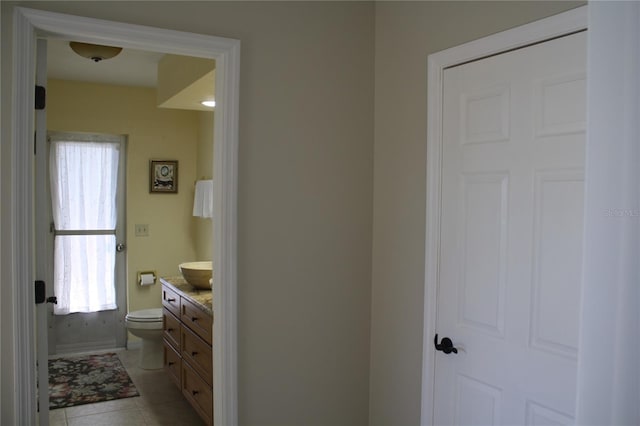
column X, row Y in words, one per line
column 147, row 325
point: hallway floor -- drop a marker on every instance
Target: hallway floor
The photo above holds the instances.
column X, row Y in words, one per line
column 160, row 403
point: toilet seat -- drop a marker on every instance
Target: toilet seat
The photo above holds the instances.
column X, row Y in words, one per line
column 145, row 318
column 145, row 315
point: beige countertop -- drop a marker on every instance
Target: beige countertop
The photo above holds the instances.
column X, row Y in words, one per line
column 202, row 298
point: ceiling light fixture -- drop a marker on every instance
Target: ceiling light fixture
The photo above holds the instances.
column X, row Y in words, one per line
column 95, row 52
column 209, row 104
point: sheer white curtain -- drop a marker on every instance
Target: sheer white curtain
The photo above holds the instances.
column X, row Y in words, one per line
column 84, row 178
column 609, row 360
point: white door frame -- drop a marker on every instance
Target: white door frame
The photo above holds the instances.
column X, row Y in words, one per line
column 545, row 29
column 29, row 24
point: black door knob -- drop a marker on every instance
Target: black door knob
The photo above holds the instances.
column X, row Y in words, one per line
column 446, row 345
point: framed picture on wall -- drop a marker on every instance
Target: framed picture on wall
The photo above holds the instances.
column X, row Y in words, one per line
column 163, row 176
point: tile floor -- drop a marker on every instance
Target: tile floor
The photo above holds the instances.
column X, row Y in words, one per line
column 160, row 403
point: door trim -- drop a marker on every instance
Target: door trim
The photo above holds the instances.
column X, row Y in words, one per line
column 539, row 31
column 29, row 24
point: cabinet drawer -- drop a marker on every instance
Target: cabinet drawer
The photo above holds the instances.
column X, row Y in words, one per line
column 171, row 300
column 198, row 354
column 171, row 328
column 198, row 393
column 172, row 363
column 196, row 320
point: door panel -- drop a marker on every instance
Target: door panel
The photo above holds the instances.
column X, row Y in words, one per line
column 104, row 329
column 557, row 260
column 483, row 212
column 511, row 236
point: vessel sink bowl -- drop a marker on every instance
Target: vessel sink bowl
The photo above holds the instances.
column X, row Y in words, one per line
column 198, row 274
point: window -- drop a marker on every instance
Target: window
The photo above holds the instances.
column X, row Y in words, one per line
column 84, row 181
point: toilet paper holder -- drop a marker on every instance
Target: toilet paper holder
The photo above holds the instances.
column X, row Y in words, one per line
column 146, row 278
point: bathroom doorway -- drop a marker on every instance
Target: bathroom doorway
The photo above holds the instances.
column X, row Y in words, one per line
column 128, row 94
column 30, row 24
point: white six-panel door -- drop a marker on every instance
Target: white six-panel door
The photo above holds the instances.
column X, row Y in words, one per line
column 511, row 236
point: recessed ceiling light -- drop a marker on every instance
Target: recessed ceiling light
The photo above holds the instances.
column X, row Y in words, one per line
column 209, row 104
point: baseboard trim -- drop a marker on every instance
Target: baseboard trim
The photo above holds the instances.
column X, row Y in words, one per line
column 74, row 348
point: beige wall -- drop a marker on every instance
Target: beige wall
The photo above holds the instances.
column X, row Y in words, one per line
column 152, row 133
column 406, row 33
column 304, row 201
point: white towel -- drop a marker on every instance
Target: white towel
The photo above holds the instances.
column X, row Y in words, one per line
column 203, row 199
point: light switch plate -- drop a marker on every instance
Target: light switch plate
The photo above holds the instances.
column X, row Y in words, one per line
column 142, row 230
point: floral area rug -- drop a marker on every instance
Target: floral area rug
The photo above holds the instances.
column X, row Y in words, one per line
column 88, row 379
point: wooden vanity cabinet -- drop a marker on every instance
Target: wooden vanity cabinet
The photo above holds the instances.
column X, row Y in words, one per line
column 171, row 329
column 173, row 364
column 187, row 350
column 198, row 354
column 171, row 300
column 198, row 321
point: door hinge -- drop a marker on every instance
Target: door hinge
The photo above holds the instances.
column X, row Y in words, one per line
column 41, row 97
column 40, row 292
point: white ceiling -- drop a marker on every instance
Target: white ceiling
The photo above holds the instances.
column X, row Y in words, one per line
column 129, row 68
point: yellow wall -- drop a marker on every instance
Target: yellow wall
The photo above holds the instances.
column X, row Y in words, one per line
column 204, row 169
column 177, row 73
column 152, row 133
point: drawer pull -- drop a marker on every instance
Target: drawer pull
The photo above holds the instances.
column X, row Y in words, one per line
column 169, row 330
column 170, row 363
column 194, row 353
column 171, row 299
column 194, row 319
column 195, row 392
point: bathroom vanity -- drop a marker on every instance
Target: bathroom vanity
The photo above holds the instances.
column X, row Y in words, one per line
column 187, row 327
